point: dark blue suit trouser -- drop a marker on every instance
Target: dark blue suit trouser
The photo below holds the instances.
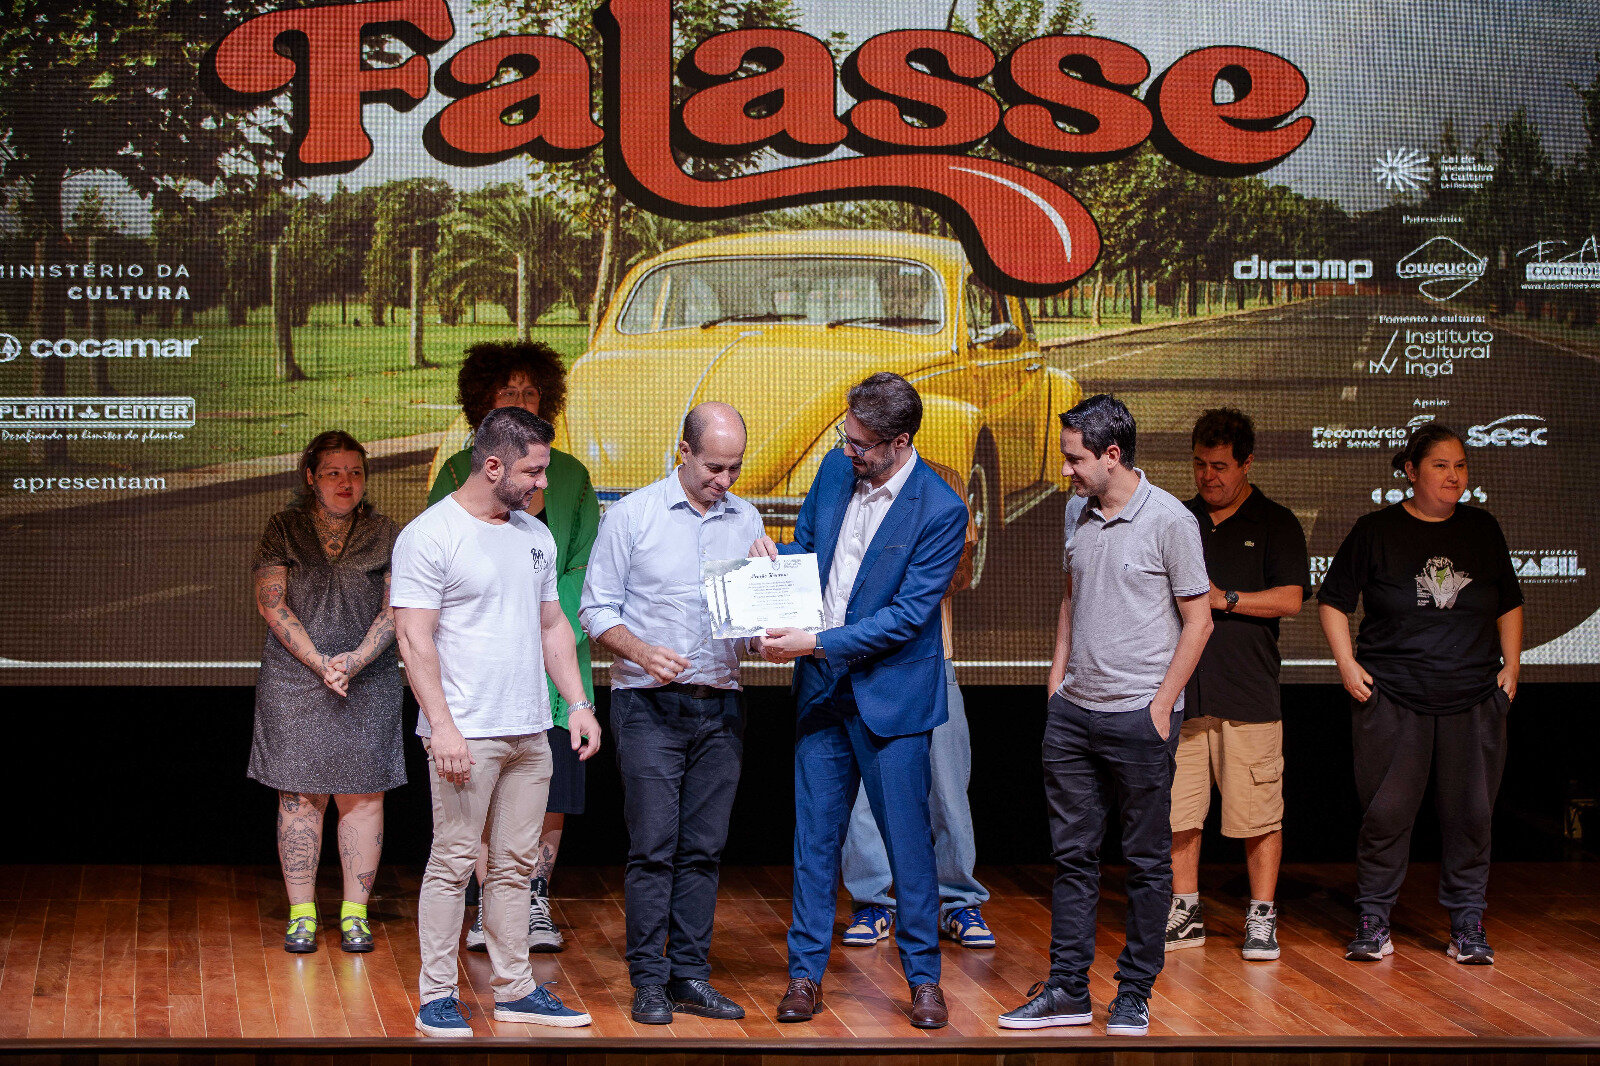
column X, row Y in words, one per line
column 835, row 753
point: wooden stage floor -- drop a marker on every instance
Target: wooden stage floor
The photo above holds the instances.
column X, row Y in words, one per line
column 156, row 956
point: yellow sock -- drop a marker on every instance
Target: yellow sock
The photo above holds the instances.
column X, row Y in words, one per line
column 302, row 910
column 352, row 910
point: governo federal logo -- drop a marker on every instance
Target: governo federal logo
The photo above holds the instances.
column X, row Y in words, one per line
column 1443, row 268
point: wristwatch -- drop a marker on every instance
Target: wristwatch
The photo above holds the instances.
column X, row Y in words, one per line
column 1233, row 601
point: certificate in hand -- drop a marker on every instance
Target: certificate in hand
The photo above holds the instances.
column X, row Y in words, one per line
column 747, row 597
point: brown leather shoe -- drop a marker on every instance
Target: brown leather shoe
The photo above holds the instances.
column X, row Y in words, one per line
column 927, row 1007
column 802, row 1000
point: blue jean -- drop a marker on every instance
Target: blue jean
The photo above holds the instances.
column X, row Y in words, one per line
column 865, row 862
column 1092, row 758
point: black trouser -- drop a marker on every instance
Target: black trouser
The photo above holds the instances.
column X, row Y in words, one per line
column 680, row 759
column 1091, row 757
column 1394, row 748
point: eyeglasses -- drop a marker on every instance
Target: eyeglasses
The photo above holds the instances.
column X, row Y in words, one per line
column 518, row 396
column 851, row 446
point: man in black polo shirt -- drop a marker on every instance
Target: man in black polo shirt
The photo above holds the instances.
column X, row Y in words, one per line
column 1233, row 728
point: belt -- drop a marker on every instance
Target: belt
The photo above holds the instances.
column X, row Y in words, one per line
column 695, row 692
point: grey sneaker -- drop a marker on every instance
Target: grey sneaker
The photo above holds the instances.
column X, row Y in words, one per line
column 1260, row 933
column 1186, row 926
column 475, row 931
column 543, row 936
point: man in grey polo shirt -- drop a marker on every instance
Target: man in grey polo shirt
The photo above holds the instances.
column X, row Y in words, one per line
column 1134, row 619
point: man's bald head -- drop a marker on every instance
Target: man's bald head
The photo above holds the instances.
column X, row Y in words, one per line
column 714, row 419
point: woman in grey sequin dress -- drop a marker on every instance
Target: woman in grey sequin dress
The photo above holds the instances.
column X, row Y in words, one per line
column 327, row 718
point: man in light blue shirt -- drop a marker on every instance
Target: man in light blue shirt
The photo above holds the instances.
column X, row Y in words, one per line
column 677, row 716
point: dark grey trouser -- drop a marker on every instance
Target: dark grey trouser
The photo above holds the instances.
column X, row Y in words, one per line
column 1394, row 750
column 680, row 759
column 1092, row 759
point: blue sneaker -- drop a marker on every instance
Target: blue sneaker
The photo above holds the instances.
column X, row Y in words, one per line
column 869, row 925
column 541, row 1007
column 444, row 1017
column 1129, row 1015
column 967, row 928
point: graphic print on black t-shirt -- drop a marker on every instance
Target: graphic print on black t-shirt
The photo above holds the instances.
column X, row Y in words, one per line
column 1439, row 583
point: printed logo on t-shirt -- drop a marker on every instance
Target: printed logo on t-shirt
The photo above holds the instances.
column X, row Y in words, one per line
column 1440, row 582
column 538, row 558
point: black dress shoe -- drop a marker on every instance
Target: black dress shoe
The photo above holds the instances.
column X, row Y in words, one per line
column 691, row 995
column 651, row 1005
column 801, row 1001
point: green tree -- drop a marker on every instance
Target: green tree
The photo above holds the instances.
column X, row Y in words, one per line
column 1513, row 205
column 479, row 243
column 406, row 215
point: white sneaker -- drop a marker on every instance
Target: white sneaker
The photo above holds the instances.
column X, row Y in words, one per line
column 475, row 931
column 543, row 936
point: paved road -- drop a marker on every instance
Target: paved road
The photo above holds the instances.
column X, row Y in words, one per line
column 1304, row 366
column 162, row 579
column 167, row 579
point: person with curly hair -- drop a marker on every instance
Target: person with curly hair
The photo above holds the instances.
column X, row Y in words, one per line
column 327, row 716
column 530, row 375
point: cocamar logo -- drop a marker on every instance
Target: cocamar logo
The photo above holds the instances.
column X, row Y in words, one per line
column 1063, row 101
column 10, row 347
column 1443, row 268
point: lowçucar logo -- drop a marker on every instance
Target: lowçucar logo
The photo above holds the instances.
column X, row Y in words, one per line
column 1443, row 268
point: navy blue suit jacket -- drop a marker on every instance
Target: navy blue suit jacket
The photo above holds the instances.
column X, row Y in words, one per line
column 890, row 641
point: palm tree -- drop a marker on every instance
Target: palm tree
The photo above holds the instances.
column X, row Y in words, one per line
column 480, row 242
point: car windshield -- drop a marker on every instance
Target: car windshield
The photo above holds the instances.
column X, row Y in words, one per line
column 874, row 293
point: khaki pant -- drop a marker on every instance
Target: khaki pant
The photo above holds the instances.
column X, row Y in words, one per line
column 1245, row 759
column 507, row 791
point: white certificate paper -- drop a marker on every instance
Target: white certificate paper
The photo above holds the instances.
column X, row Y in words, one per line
column 747, row 597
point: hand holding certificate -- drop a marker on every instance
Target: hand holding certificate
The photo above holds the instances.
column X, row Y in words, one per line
column 747, row 597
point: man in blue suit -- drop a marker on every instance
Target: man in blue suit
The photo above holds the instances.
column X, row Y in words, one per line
column 887, row 532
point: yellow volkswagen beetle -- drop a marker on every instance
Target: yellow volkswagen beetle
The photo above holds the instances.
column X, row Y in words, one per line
column 780, row 325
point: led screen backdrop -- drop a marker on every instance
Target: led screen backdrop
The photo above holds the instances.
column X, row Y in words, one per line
column 225, row 227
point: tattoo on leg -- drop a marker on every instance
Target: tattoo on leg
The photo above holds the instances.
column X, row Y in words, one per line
column 545, row 864
column 290, row 801
column 366, row 880
column 298, row 845
column 349, row 847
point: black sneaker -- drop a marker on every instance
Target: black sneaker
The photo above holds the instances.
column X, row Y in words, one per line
column 1186, row 926
column 1260, row 933
column 1048, row 1005
column 1470, row 946
column 651, row 1005
column 1129, row 1015
column 691, row 995
column 1371, row 941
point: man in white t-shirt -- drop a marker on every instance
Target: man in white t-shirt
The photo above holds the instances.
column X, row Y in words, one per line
column 479, row 624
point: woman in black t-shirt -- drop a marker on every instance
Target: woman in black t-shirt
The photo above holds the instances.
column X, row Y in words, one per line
column 1431, row 676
